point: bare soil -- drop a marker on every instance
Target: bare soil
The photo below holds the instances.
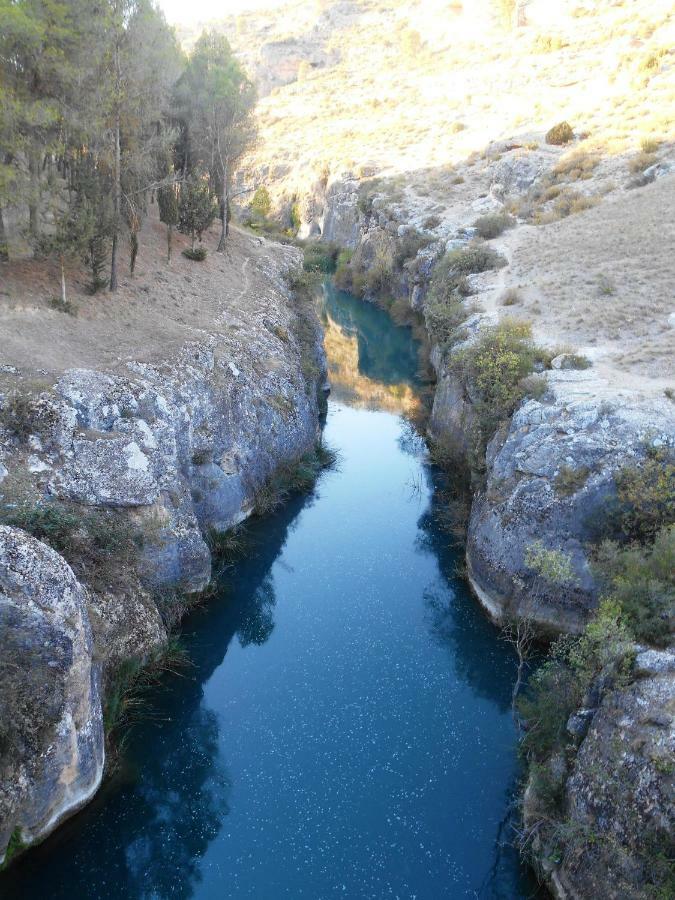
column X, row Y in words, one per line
column 152, row 314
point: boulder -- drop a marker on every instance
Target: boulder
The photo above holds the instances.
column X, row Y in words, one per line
column 51, row 727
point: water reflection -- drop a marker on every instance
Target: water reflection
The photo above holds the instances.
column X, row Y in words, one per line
column 371, row 365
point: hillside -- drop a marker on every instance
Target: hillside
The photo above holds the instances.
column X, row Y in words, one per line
column 443, row 110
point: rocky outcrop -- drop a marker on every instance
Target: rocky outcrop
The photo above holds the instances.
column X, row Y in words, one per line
column 619, row 796
column 571, row 431
column 51, row 729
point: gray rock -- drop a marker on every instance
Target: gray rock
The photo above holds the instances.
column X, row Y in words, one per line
column 52, row 748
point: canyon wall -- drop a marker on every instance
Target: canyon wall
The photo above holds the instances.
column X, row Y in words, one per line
column 134, row 473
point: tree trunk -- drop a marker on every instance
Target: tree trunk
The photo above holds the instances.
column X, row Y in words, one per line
column 64, row 298
column 33, row 200
column 4, row 247
column 117, row 174
column 169, row 235
column 224, row 207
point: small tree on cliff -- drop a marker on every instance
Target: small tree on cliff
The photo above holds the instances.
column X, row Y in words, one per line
column 261, row 205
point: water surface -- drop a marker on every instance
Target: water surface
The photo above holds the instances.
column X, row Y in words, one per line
column 345, row 730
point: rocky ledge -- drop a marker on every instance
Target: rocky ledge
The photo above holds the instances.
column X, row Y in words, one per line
column 148, row 463
column 550, row 482
column 618, row 796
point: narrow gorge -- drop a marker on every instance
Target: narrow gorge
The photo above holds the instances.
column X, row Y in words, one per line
column 337, row 526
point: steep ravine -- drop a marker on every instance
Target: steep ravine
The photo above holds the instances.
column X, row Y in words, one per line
column 131, row 472
column 617, row 782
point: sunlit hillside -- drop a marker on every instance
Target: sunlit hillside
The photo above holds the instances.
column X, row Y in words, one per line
column 404, row 86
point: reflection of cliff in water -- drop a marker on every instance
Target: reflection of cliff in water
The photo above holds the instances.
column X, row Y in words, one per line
column 167, row 806
column 372, row 363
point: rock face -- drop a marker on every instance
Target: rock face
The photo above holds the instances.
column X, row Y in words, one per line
column 570, row 430
column 170, row 452
column 51, row 729
column 620, row 795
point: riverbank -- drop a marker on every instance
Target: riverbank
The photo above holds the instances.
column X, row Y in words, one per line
column 129, row 449
column 566, row 450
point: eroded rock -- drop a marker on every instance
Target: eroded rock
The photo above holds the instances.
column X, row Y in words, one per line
column 51, row 730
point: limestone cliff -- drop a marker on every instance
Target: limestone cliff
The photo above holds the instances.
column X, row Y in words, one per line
column 130, row 471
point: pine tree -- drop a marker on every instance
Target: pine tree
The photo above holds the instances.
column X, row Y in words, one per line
column 196, row 209
column 215, row 100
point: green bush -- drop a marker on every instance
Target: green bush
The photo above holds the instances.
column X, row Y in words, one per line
column 491, row 226
column 261, row 205
column 320, row 257
column 343, row 271
column 473, row 258
column 431, row 222
column 642, row 581
column 196, row 255
column 408, row 246
column 444, row 311
column 296, row 217
column 97, row 543
column 558, row 687
column 18, row 414
column 561, row 133
column 494, row 368
column 298, row 477
column 645, row 497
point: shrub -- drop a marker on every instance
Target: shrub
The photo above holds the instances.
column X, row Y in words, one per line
column 431, row 222
column 198, row 254
column 493, row 368
column 298, row 477
column 18, row 414
column 64, row 306
column 96, row 543
column 491, row 226
column 568, row 480
column 557, row 689
column 444, row 311
column 641, row 161
column 409, row 245
column 320, row 257
column 561, row 133
column 261, row 205
column 367, row 193
column 510, row 297
column 343, row 272
column 650, row 145
column 642, row 581
column 379, row 274
column 296, row 217
column 575, row 361
column 645, row 497
column 569, row 203
column 577, row 164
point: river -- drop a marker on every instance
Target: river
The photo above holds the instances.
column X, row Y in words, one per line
column 344, row 729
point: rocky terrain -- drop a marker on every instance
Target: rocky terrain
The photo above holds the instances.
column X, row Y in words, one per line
column 131, row 466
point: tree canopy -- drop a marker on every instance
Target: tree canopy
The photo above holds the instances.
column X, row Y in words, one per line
column 100, row 111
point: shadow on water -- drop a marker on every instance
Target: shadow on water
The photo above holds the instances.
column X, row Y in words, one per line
column 152, row 823
column 363, row 745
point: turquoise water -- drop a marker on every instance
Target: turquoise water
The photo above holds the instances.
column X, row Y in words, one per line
column 345, row 730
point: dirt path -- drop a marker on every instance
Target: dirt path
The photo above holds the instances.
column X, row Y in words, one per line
column 150, row 317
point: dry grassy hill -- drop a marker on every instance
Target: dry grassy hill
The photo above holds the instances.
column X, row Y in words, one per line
column 443, row 102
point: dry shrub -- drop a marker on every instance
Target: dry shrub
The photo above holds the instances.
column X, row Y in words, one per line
column 561, row 133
